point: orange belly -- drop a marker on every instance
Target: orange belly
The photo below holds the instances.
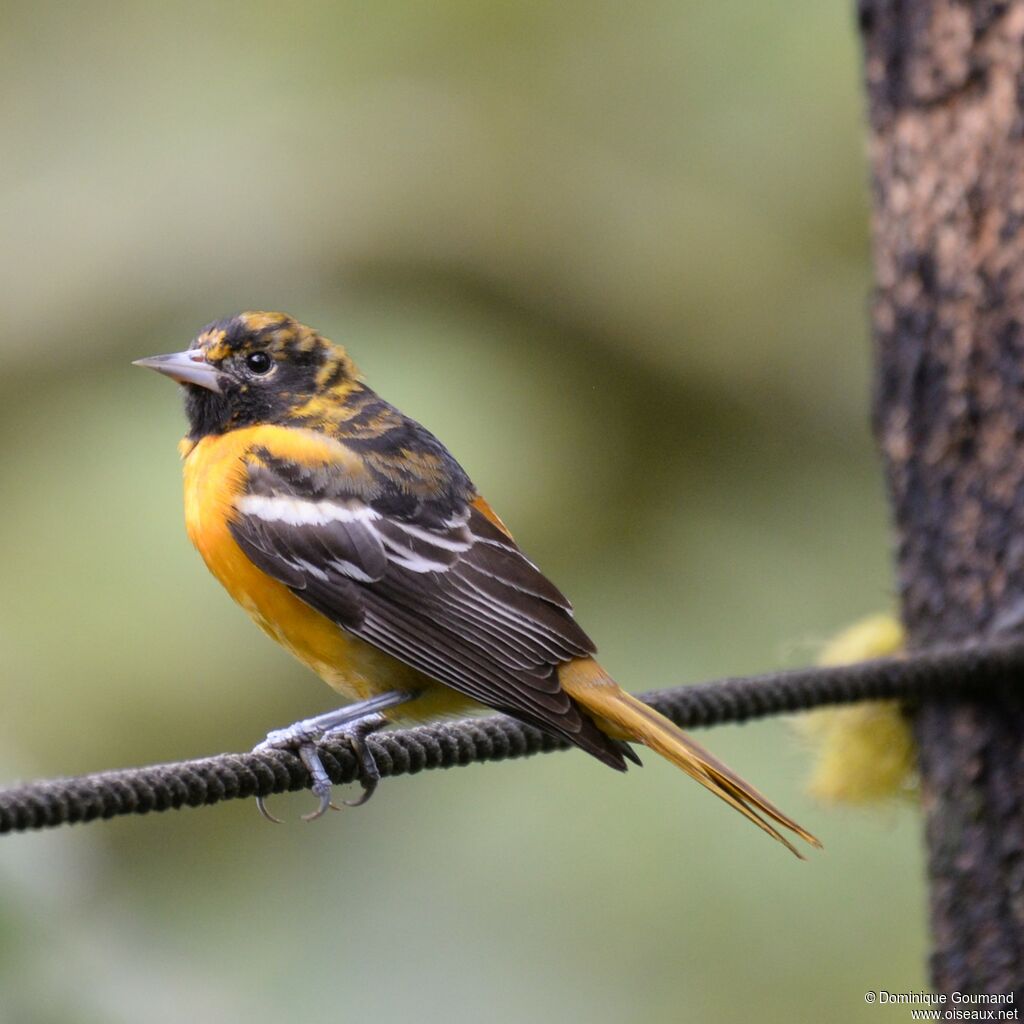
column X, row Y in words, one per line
column 214, row 476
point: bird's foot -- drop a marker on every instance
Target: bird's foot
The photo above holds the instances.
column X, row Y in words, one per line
column 354, row 724
column 369, row 773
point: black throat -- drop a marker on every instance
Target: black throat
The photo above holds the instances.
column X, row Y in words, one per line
column 208, row 412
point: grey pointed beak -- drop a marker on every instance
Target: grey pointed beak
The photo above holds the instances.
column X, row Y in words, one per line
column 187, row 367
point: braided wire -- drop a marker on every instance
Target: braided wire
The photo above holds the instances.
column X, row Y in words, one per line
column 967, row 672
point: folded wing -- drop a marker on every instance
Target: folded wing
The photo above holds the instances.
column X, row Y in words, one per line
column 443, row 590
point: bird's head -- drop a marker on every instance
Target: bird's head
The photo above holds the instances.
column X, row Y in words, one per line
column 256, row 368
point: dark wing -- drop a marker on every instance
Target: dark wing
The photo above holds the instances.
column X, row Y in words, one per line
column 439, row 588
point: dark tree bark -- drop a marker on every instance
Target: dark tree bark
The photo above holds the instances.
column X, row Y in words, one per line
column 945, row 83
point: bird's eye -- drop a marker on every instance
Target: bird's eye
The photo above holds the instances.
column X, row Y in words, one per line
column 258, row 362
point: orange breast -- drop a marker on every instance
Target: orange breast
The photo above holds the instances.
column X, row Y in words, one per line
column 214, row 476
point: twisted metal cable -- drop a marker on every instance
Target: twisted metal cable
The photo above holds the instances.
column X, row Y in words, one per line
column 967, row 672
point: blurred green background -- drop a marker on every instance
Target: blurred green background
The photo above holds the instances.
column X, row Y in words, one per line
column 616, row 257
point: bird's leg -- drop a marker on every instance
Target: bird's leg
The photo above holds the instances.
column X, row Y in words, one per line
column 354, row 723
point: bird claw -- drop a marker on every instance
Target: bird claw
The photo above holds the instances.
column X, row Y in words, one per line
column 369, row 780
column 261, row 806
column 324, row 796
column 321, row 784
column 302, row 738
column 359, row 800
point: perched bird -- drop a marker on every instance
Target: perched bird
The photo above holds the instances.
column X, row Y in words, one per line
column 353, row 538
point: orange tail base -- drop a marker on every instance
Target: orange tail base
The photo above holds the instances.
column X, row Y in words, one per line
column 624, row 717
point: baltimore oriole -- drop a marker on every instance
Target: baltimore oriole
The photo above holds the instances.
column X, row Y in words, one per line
column 353, row 538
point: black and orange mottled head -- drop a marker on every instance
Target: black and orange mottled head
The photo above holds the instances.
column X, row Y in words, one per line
column 256, row 368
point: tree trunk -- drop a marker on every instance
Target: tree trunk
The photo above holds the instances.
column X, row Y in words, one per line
column 945, row 83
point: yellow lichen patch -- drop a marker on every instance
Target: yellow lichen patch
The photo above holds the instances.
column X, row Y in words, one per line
column 866, row 752
column 876, row 636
